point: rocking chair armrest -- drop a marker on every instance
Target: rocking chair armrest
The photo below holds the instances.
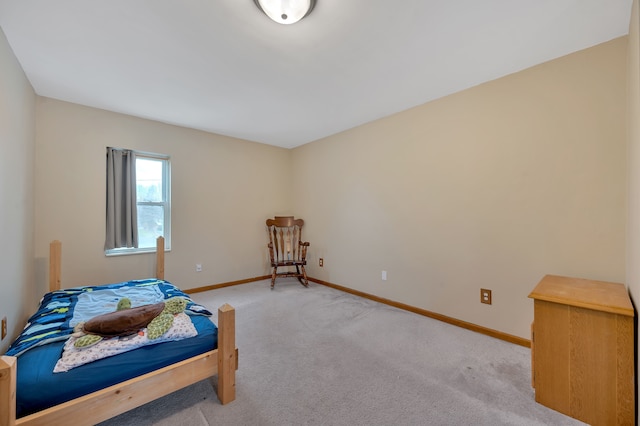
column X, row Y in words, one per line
column 303, row 250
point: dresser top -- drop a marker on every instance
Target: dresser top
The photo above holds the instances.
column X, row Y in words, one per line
column 597, row 295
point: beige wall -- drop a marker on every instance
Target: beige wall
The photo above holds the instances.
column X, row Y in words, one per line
column 633, row 217
column 17, row 142
column 492, row 187
column 223, row 189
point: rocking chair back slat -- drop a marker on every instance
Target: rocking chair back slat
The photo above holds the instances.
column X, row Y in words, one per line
column 286, row 248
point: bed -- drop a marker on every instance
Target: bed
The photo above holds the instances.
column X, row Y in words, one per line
column 161, row 368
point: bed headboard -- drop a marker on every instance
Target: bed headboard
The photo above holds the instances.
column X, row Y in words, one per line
column 55, row 262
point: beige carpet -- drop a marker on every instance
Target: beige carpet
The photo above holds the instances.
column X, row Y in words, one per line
column 318, row 356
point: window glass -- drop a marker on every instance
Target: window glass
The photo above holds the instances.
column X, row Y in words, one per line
column 149, row 180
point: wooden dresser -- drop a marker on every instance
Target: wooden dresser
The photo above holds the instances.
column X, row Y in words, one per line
column 582, row 349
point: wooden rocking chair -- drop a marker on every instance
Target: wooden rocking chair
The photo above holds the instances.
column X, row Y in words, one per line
column 287, row 249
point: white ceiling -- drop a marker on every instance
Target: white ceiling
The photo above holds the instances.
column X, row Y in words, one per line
column 222, row 66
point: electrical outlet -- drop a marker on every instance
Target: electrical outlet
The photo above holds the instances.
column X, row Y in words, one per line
column 198, row 267
column 321, row 262
column 485, row 296
column 384, row 275
column 4, row 328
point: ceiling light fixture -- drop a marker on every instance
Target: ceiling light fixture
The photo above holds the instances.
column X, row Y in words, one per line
column 286, row 11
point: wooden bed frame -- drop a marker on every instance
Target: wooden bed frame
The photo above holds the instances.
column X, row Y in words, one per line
column 122, row 397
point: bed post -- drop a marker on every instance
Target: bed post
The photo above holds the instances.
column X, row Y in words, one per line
column 55, row 267
column 160, row 258
column 8, row 391
column 227, row 362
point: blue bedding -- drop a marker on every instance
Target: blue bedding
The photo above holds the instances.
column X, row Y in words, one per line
column 61, row 310
column 39, row 388
column 40, row 345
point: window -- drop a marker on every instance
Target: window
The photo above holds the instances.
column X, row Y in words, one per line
column 152, row 203
column 152, row 195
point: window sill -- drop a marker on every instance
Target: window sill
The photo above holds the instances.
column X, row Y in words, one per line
column 128, row 252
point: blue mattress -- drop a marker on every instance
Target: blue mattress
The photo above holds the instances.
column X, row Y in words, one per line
column 39, row 388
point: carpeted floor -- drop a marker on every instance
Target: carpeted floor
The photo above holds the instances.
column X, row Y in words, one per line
column 318, row 356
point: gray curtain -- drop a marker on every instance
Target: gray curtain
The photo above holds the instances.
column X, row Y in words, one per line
column 122, row 213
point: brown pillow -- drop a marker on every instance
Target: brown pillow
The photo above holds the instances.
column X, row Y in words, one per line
column 124, row 322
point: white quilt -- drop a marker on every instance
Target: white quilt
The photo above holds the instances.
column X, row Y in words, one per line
column 72, row 357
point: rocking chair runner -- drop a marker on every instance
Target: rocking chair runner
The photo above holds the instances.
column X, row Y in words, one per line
column 287, row 249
